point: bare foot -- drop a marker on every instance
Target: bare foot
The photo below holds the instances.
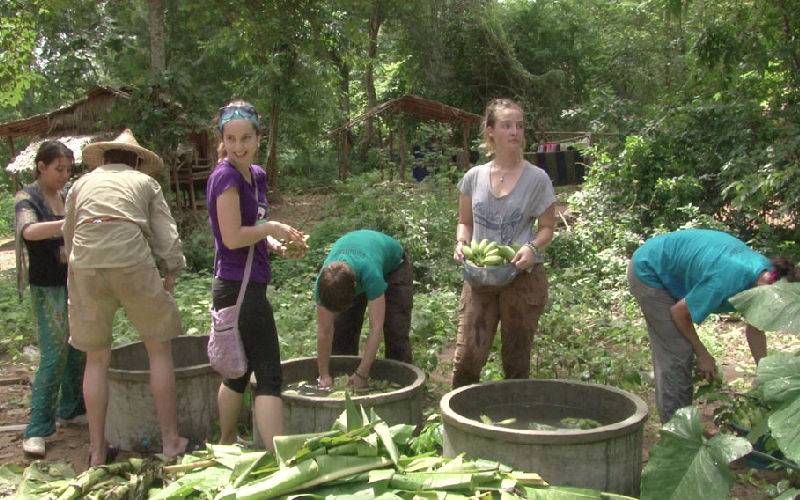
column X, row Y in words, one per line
column 173, row 448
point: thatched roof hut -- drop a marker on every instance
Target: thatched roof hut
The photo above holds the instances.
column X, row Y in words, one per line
column 421, row 109
column 74, row 124
column 23, row 162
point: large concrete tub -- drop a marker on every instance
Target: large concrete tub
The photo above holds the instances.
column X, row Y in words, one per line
column 304, row 414
column 606, row 458
column 131, row 422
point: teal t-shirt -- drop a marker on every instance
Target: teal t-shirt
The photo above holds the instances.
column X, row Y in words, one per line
column 704, row 267
column 371, row 255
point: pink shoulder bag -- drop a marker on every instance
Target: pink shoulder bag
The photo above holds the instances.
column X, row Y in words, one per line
column 225, row 349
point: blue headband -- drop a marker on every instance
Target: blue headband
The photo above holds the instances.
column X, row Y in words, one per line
column 229, row 113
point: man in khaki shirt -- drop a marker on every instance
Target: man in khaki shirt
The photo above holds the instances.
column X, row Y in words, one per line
column 118, row 233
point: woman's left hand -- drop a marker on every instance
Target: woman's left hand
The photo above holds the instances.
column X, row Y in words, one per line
column 524, row 259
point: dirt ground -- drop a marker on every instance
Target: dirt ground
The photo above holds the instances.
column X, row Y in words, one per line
column 71, row 443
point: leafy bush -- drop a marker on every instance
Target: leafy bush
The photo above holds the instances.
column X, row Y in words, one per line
column 6, row 213
column 17, row 324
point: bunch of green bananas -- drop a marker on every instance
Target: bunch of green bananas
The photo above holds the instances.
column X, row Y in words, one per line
column 487, row 253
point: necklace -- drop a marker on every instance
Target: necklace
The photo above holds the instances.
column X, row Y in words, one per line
column 502, row 174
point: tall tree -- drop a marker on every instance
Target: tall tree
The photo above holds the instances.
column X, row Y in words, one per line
column 375, row 22
column 155, row 24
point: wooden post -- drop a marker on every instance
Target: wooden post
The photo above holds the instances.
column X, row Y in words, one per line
column 465, row 143
column 402, row 151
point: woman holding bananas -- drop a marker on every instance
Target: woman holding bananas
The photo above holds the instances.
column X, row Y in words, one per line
column 500, row 201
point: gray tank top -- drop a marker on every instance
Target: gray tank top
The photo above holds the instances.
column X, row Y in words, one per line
column 507, row 219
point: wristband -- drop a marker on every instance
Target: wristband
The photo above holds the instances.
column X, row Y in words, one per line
column 533, row 247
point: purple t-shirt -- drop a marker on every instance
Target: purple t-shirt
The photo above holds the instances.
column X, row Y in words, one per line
column 230, row 264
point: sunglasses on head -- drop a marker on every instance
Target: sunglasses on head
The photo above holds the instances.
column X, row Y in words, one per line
column 228, row 113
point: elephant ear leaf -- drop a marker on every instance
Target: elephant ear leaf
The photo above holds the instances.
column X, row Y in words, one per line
column 779, row 379
column 770, row 308
column 683, row 464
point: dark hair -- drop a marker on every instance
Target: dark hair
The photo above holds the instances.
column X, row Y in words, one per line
column 489, row 119
column 221, row 153
column 128, row 158
column 785, row 268
column 50, row 151
column 337, row 286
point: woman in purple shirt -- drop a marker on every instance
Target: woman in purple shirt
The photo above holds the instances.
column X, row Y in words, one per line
column 237, row 210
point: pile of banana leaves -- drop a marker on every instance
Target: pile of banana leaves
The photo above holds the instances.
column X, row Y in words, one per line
column 360, row 457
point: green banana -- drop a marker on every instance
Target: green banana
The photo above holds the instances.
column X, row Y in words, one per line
column 483, row 244
column 490, row 246
column 506, row 252
column 493, row 260
column 467, row 251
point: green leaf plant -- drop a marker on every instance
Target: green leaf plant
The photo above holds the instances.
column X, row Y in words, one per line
column 684, row 464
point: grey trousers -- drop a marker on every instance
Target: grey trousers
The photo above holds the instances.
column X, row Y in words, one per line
column 673, row 357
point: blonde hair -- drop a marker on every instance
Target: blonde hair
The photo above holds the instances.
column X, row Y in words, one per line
column 221, row 152
column 489, row 119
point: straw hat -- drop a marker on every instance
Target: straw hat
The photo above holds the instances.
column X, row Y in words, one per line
column 93, row 153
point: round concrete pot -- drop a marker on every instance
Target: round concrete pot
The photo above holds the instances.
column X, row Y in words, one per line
column 607, row 458
column 305, row 414
column 131, row 422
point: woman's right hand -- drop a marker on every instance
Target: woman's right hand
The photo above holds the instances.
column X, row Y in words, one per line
column 458, row 253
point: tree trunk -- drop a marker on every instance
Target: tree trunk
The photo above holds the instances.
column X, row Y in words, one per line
column 375, row 21
column 344, row 110
column 155, row 25
column 272, row 146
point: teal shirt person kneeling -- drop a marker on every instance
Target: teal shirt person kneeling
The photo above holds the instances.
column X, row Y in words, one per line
column 365, row 271
column 680, row 278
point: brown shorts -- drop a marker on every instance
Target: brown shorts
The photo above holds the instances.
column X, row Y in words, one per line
column 96, row 294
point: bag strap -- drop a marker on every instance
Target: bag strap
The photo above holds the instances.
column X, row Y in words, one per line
column 249, row 264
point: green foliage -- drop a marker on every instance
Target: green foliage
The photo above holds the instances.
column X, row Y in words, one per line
column 198, row 247
column 17, row 324
column 17, row 43
column 771, row 308
column 6, row 214
column 779, row 376
column 684, row 464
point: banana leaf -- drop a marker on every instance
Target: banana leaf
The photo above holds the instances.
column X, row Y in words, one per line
column 10, row 477
column 282, row 482
column 332, row 468
column 416, row 481
column 208, row 480
column 382, row 430
column 249, row 463
column 290, row 448
column 771, row 308
column 683, row 464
